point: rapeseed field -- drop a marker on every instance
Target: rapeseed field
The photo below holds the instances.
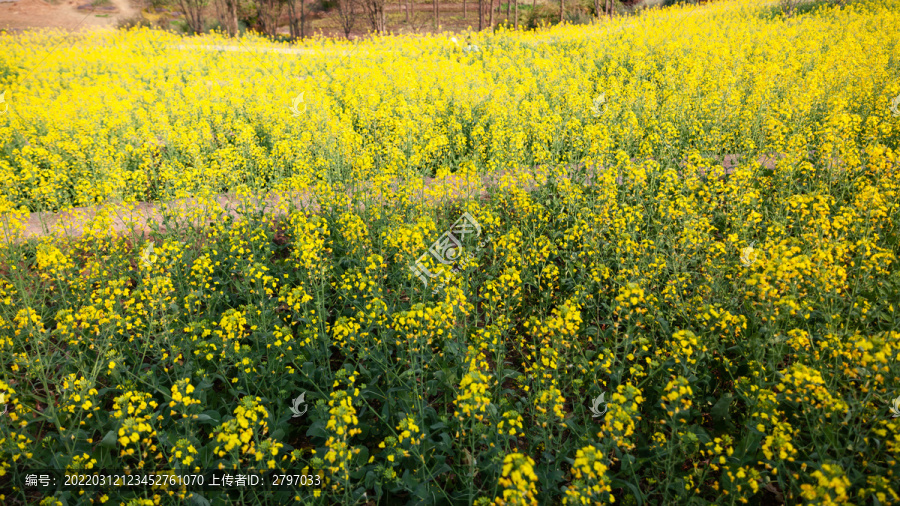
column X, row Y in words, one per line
column 650, row 260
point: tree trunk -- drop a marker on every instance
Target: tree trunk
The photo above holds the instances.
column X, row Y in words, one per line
column 464, row 9
column 375, row 13
column 292, row 20
column 232, row 8
column 597, row 8
column 193, row 12
column 516, row 13
column 346, row 15
column 434, row 3
column 480, row 15
column 269, row 12
column 562, row 10
column 491, row 22
column 302, row 19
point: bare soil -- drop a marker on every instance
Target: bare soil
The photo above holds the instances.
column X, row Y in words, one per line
column 36, row 14
column 143, row 217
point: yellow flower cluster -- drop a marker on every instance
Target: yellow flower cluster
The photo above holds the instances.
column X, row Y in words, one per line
column 550, row 398
column 134, row 412
column 778, row 445
column 409, row 432
column 83, row 461
column 423, row 325
column 312, row 239
column 518, row 481
column 591, row 483
column 744, row 480
column 805, row 385
column 14, row 446
column 354, row 230
column 78, row 392
column 677, row 398
column 244, row 431
column 232, row 329
column 622, row 415
column 181, row 395
column 184, row 453
column 511, row 424
column 473, row 397
column 341, row 427
column 830, row 486
column 268, row 450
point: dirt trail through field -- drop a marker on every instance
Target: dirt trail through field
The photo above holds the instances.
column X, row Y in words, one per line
column 73, row 15
column 125, row 8
column 143, row 217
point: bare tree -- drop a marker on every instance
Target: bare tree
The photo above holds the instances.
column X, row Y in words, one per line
column 228, row 15
column 375, row 12
column 562, row 10
column 465, row 12
column 298, row 26
column 346, row 16
column 434, row 4
column 269, row 12
column 193, row 13
column 516, row 13
column 491, row 22
column 480, row 15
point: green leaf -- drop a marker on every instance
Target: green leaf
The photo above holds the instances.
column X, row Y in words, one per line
column 210, row 417
column 719, row 410
column 109, row 440
column 634, row 490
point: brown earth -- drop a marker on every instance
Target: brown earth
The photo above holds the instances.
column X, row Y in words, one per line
column 143, row 217
column 35, row 14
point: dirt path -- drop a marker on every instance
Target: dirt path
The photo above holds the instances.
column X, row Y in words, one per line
column 143, row 217
column 21, row 15
column 263, row 49
column 125, row 9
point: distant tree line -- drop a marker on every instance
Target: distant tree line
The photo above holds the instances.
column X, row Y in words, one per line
column 266, row 16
